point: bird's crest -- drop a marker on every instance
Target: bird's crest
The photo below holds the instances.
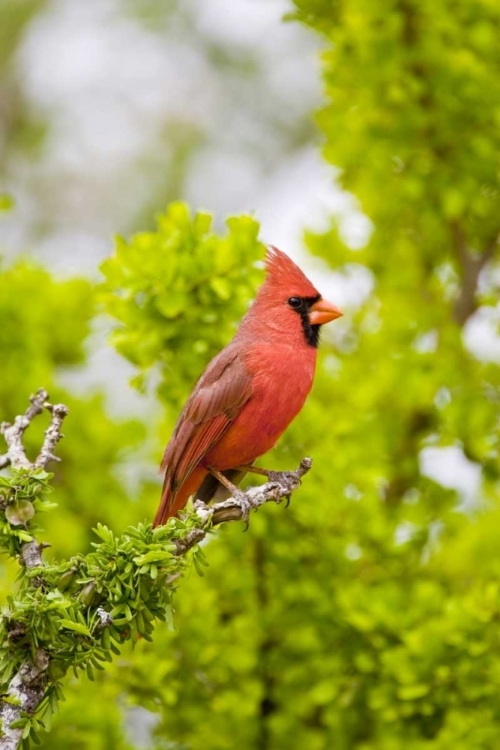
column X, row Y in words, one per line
column 283, row 272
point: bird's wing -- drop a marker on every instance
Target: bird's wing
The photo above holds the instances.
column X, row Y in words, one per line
column 216, row 400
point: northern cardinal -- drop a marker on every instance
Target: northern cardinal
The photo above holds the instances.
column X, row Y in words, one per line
column 250, row 392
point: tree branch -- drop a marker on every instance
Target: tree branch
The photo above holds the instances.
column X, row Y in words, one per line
column 52, row 435
column 27, row 687
column 26, row 691
column 276, row 491
column 471, row 265
column 13, row 433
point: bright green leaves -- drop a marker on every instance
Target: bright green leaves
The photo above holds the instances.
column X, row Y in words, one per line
column 412, row 93
column 76, row 627
column 411, row 122
column 80, row 612
column 179, row 284
column 43, row 324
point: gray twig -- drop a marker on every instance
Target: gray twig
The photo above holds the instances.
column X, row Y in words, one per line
column 13, row 434
column 31, row 554
column 52, row 435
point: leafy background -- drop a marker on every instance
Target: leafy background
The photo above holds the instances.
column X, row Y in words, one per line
column 366, row 615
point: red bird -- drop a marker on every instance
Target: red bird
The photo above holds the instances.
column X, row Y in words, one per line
column 250, row 392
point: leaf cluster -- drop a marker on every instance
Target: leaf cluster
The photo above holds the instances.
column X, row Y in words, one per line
column 82, row 610
column 173, row 285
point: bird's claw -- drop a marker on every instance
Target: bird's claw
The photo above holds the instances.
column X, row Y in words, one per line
column 245, row 506
column 286, row 479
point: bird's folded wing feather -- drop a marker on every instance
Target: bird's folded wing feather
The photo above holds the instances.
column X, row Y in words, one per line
column 216, row 400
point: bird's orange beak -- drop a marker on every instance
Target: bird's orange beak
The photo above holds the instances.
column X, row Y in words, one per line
column 323, row 312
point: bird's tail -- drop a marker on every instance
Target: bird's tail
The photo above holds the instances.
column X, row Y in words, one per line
column 172, row 501
column 202, row 484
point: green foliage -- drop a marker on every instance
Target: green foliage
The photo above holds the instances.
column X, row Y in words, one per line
column 13, row 20
column 409, row 85
column 82, row 610
column 414, row 88
column 174, row 285
column 366, row 616
column 44, row 324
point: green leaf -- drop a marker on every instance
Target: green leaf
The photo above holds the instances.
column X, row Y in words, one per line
column 77, row 627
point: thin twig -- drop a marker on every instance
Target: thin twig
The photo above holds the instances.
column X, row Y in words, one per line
column 31, row 554
column 52, row 435
column 105, row 619
column 13, row 434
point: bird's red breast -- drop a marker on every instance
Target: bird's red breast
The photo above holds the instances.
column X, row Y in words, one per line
column 253, row 389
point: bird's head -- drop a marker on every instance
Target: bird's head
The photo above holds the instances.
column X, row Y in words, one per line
column 288, row 303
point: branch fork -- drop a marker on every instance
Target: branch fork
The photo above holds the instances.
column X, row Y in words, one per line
column 13, row 434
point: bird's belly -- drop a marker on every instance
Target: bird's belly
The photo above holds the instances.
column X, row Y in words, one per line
column 265, row 417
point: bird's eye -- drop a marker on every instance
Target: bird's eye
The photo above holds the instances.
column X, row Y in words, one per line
column 295, row 303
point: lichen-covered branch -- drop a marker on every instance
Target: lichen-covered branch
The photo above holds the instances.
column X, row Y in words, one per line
column 52, row 435
column 24, row 694
column 26, row 689
column 76, row 614
column 13, row 433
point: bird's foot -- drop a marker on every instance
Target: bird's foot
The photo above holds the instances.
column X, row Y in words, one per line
column 283, row 478
column 288, row 480
column 245, row 504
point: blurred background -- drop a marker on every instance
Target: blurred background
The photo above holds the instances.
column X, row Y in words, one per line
column 111, row 109
column 365, row 142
